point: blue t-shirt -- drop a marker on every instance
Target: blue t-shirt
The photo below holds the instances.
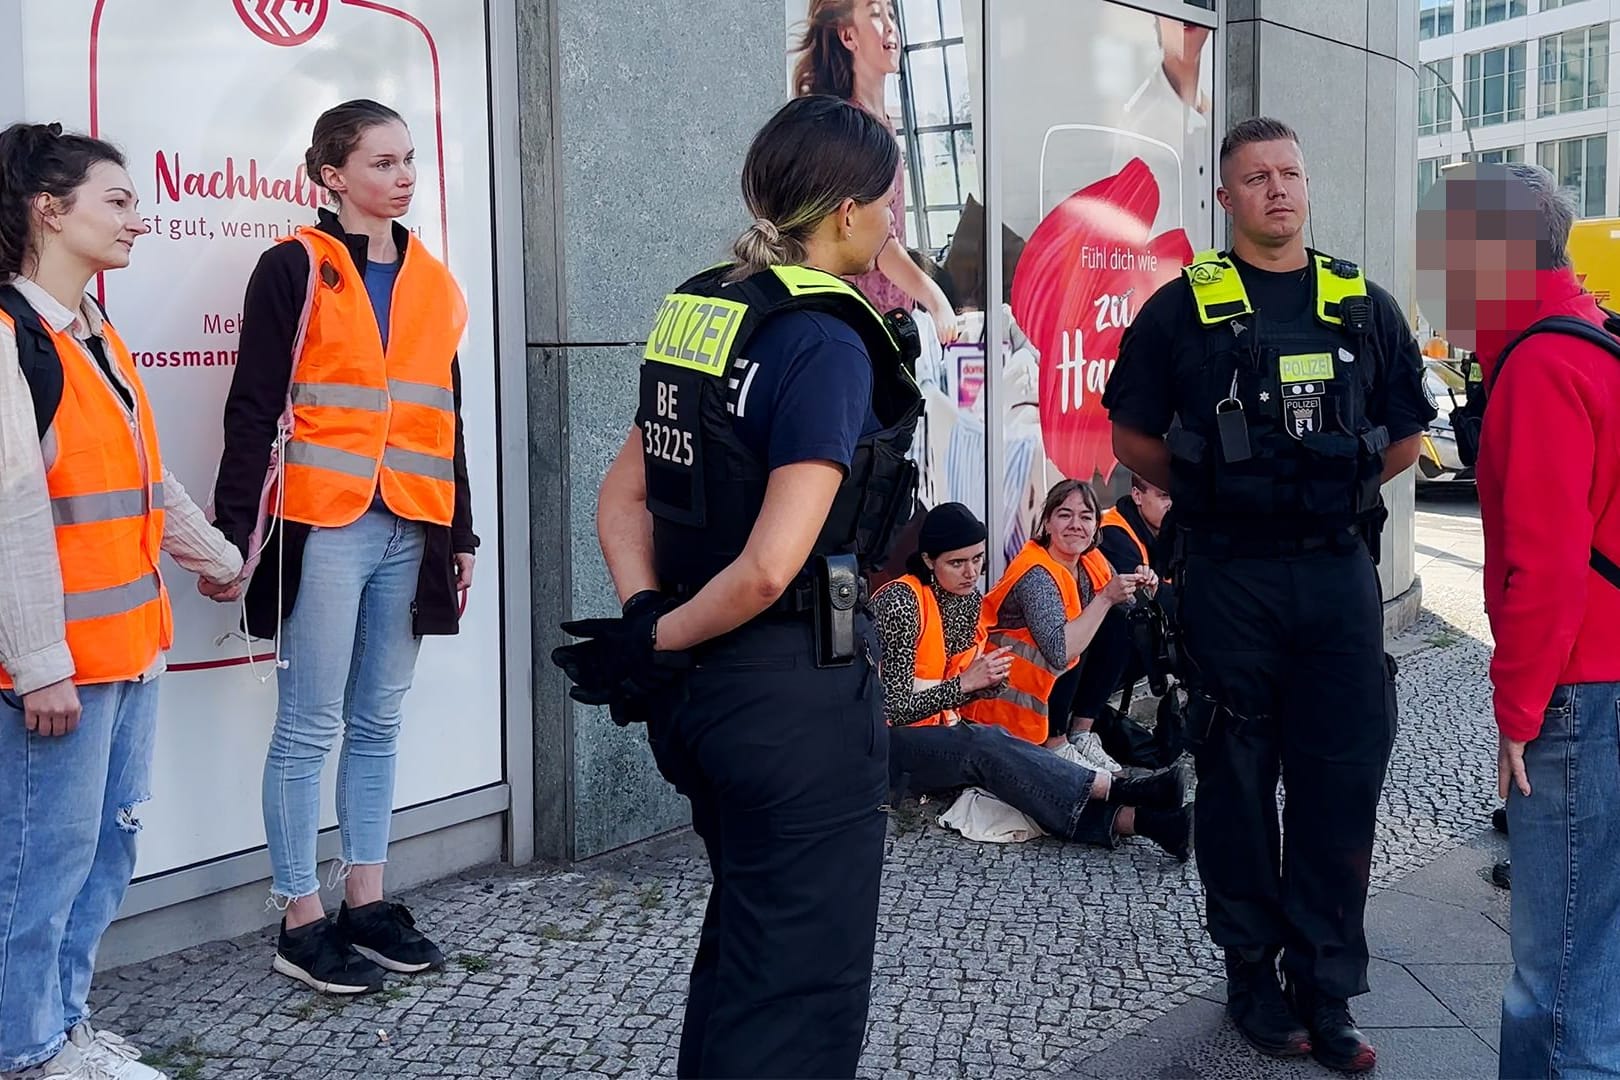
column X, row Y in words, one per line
column 380, row 278
column 806, row 391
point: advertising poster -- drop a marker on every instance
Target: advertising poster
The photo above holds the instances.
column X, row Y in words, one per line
column 213, row 102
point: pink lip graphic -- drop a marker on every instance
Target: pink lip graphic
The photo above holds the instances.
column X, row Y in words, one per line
column 1088, row 267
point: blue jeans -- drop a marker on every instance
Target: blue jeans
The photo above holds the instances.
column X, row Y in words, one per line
column 1054, row 792
column 1558, row 1012
column 350, row 654
column 67, row 852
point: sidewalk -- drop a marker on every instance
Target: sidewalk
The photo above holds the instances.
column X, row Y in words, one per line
column 1440, row 946
column 993, row 961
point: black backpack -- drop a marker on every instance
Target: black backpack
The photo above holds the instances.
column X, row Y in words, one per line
column 1468, row 421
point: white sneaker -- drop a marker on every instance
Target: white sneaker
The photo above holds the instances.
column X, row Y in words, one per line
column 70, row 1063
column 113, row 1053
column 1092, row 753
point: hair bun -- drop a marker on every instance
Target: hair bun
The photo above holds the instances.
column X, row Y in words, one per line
column 767, row 230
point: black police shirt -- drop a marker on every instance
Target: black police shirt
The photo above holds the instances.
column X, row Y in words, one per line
column 1143, row 394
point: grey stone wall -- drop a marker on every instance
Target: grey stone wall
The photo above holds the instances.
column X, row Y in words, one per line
column 1343, row 74
column 635, row 118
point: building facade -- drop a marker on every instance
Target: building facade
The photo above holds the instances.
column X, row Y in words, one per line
column 1522, row 80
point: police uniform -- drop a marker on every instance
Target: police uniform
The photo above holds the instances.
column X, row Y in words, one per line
column 778, row 739
column 1278, row 395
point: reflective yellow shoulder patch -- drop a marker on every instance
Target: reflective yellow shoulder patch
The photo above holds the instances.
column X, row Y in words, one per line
column 1217, row 288
column 695, row 332
column 1336, row 280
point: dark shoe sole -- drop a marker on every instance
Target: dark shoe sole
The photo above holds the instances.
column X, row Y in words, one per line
column 394, row 965
column 286, row 967
column 1297, row 1049
column 1364, row 1061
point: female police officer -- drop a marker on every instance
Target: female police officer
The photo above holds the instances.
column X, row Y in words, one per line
column 765, row 475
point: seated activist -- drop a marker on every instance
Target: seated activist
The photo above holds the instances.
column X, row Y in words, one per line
column 935, row 661
column 1048, row 608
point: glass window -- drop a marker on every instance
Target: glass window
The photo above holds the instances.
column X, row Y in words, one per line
column 1574, row 70
column 1434, row 97
column 938, row 166
column 1582, row 166
column 924, row 75
column 1548, row 5
column 1505, row 155
column 921, row 18
column 1485, row 12
column 1428, row 174
column 1435, row 18
column 1494, row 87
column 938, row 133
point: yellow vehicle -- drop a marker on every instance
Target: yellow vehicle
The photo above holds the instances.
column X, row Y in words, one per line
column 1594, row 248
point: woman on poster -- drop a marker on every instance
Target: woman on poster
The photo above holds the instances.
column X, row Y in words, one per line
column 348, row 368
column 850, row 49
column 86, row 505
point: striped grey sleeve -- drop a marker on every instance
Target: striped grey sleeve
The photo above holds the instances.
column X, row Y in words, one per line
column 1038, row 606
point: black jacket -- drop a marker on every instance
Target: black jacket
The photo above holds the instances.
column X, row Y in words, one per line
column 1121, row 551
column 270, row 314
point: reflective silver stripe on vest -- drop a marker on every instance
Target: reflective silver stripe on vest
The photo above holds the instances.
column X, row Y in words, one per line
column 157, row 495
column 415, row 393
column 409, row 461
column 340, row 395
column 326, row 457
column 115, row 600
column 104, row 506
column 1022, row 649
column 1022, row 700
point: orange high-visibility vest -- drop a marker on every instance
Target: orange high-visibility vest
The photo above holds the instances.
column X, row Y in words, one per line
column 1021, row 707
column 932, row 664
column 1112, row 516
column 107, row 502
column 366, row 419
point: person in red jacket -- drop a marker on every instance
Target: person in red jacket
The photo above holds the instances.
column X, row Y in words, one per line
column 1494, row 262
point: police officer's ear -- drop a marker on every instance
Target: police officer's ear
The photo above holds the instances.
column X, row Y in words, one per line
column 845, row 216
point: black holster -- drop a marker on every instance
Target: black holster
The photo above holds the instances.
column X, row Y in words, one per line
column 837, row 592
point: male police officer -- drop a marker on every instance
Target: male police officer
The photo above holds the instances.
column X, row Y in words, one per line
column 1271, row 390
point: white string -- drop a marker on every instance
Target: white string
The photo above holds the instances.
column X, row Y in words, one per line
column 279, row 449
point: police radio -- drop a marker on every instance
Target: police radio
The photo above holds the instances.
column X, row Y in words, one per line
column 904, row 329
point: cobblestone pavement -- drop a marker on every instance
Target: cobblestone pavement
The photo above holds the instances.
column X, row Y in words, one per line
column 992, row 961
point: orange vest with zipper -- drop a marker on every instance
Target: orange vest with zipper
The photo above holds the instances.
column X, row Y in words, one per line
column 366, row 419
column 1113, row 517
column 107, row 503
column 932, row 664
column 1021, row 707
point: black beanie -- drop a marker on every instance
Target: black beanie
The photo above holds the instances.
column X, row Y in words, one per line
column 947, row 527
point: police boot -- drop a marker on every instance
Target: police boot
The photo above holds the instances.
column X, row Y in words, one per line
column 1255, row 1003
column 1170, row 829
column 1162, row 789
column 1335, row 1040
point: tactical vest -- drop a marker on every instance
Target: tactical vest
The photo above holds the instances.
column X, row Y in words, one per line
column 704, row 486
column 1299, row 393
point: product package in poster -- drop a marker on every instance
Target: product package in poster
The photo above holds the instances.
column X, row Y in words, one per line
column 213, row 102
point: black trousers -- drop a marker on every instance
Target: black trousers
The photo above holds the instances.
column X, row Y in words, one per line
column 786, row 767
column 1084, row 689
column 1291, row 650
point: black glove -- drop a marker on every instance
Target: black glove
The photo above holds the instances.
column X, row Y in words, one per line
column 616, row 664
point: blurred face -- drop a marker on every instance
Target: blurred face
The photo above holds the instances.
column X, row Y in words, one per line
column 98, row 226
column 380, row 175
column 1263, row 188
column 1476, row 252
column 873, row 38
column 958, row 571
column 1154, row 504
column 1072, row 527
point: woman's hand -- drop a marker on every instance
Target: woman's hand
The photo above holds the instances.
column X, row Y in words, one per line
column 52, row 710
column 222, row 594
column 1119, row 590
column 987, row 670
column 1147, row 579
column 946, row 324
column 464, row 570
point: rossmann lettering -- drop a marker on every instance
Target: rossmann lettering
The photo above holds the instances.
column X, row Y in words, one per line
column 231, row 182
column 187, row 358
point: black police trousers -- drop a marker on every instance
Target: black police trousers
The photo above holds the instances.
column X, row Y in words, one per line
column 786, row 767
column 1291, row 650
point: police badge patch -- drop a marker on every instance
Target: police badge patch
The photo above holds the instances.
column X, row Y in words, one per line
column 1302, row 411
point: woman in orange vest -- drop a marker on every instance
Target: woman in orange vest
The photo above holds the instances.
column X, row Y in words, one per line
column 347, row 368
column 85, row 508
column 1047, row 608
column 934, row 662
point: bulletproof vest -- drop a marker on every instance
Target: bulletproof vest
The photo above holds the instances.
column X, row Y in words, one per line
column 1271, row 436
column 704, row 486
column 41, row 367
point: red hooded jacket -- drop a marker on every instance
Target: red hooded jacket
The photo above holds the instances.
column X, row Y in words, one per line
column 1549, row 490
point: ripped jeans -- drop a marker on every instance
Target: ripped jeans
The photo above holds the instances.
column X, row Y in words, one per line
column 67, row 852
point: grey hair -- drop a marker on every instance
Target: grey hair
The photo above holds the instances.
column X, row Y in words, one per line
column 1556, row 208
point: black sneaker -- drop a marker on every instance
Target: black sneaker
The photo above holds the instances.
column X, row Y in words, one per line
column 317, row 956
column 1257, row 1008
column 1335, row 1040
column 386, row 933
column 1163, row 789
column 1172, row 830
